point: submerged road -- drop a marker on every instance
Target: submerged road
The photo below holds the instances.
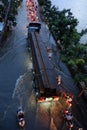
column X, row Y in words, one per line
column 16, row 83
column 15, row 73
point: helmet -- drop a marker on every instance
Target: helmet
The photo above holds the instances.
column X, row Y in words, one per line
column 66, row 111
column 80, row 129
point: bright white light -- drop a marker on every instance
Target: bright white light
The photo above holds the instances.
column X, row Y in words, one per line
column 45, row 104
column 49, row 99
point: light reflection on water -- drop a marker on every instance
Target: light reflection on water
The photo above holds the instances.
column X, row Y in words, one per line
column 78, row 8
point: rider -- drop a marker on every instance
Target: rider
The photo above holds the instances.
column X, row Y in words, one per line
column 21, row 114
column 68, row 116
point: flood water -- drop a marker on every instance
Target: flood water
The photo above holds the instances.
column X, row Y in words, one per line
column 78, row 8
column 16, row 85
column 15, row 73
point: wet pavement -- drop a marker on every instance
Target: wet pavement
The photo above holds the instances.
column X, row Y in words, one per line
column 16, row 85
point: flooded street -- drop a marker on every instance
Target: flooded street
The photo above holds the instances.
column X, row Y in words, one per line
column 16, row 85
column 15, row 73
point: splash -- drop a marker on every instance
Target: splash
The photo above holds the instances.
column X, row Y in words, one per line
column 19, row 90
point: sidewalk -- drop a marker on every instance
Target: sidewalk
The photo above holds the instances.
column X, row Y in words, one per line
column 59, row 67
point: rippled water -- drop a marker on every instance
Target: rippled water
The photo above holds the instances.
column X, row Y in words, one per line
column 78, row 8
column 16, row 86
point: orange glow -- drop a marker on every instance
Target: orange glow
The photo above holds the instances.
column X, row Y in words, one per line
column 42, row 99
column 56, row 98
column 32, row 10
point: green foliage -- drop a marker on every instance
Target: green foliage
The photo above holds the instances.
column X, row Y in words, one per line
column 85, row 79
column 14, row 11
column 5, row 2
column 80, row 62
column 62, row 25
column 83, row 32
column 3, row 9
column 71, row 62
column 14, row 23
column 44, row 2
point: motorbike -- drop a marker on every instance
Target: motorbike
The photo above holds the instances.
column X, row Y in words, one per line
column 68, row 118
column 20, row 117
column 69, row 99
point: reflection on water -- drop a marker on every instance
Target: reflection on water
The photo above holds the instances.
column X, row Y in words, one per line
column 78, row 8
